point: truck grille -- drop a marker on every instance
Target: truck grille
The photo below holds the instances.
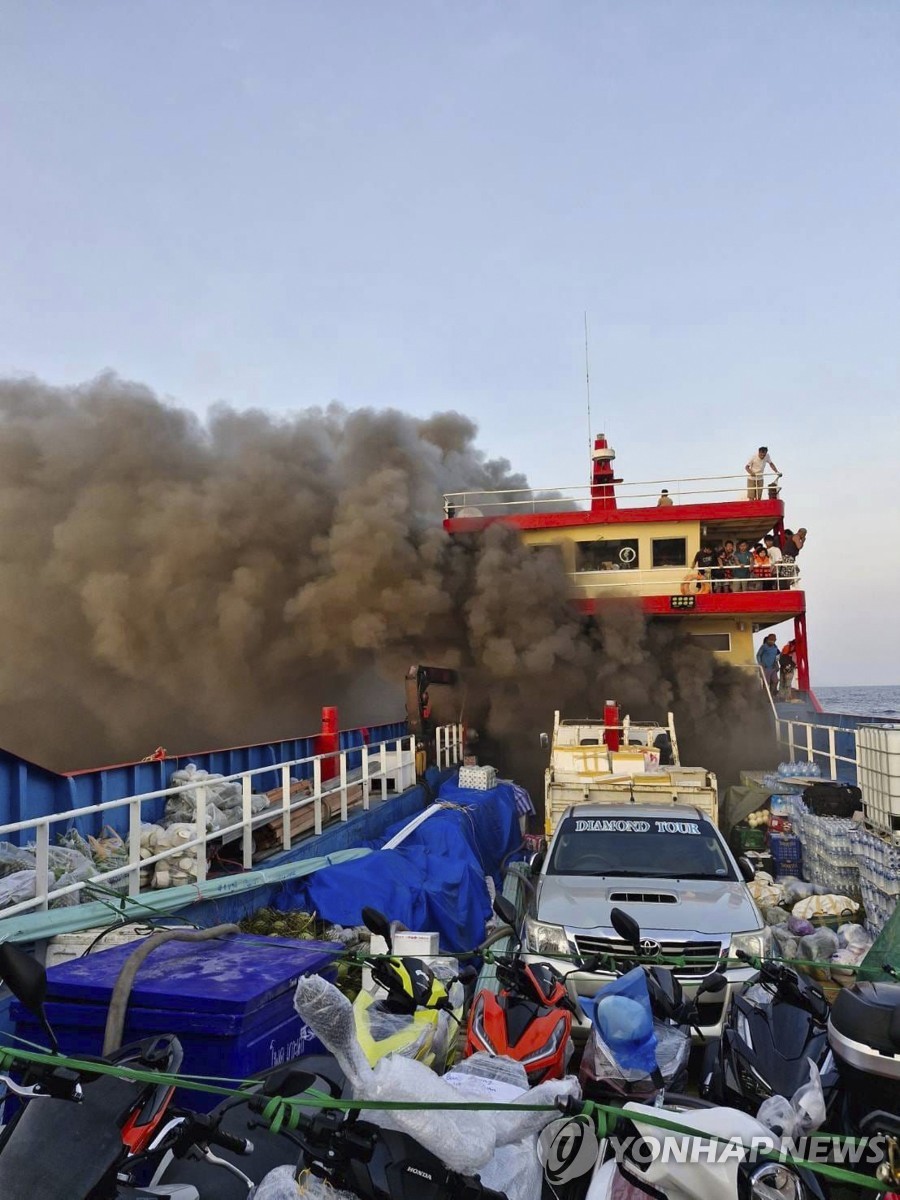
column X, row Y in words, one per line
column 700, row 957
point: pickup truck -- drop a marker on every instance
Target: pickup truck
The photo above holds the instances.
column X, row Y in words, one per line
column 667, row 866
column 644, row 769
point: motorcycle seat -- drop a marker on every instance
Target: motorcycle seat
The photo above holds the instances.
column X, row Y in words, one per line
column 869, row 1013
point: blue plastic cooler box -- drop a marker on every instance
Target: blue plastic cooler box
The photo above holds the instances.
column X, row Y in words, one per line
column 229, row 1001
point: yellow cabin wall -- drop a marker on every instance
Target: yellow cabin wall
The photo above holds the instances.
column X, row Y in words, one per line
column 649, row 581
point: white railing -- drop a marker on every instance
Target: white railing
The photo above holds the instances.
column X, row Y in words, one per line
column 385, row 766
column 667, row 581
column 448, row 745
column 798, row 737
column 645, row 493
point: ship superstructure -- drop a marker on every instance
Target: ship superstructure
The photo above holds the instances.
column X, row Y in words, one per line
column 618, row 540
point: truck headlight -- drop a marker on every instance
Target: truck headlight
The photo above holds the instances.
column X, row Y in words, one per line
column 541, row 938
column 757, row 943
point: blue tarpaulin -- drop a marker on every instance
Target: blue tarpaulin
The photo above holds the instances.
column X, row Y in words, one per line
column 435, row 879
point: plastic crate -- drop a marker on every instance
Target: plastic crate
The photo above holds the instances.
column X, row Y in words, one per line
column 786, row 854
column 749, row 837
column 229, row 1001
column 878, row 773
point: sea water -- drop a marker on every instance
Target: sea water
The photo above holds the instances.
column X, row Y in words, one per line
column 861, row 701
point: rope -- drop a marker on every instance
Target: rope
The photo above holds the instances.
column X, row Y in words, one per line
column 283, row 1112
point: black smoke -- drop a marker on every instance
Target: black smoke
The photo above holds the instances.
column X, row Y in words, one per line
column 171, row 581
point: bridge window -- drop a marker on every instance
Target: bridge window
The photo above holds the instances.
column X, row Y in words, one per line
column 714, row 641
column 607, row 555
column 670, row 552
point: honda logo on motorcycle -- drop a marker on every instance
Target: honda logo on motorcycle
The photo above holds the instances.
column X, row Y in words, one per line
column 650, row 949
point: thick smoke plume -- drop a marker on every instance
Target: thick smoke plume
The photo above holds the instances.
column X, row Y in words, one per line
column 165, row 581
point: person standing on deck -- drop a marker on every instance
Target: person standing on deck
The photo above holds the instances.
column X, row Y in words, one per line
column 775, row 557
column 767, row 656
column 664, row 499
column 755, row 469
column 741, row 572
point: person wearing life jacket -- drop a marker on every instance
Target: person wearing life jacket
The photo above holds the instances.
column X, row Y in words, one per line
column 787, row 665
column 761, row 569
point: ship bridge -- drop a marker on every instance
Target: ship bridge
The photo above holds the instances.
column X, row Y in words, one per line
column 638, row 541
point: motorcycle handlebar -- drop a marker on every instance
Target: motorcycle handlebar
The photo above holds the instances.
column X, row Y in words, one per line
column 227, row 1141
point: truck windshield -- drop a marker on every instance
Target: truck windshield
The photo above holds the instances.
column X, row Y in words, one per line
column 648, row 847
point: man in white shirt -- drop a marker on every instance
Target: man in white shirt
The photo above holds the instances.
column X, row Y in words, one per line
column 755, row 469
column 775, row 557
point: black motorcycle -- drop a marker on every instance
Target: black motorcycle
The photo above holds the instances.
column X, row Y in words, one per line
column 76, row 1130
column 775, row 1025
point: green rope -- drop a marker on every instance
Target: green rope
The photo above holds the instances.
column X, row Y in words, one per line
column 283, row 1112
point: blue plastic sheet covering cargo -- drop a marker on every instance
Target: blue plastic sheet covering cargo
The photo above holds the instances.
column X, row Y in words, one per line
column 229, row 1001
column 435, row 879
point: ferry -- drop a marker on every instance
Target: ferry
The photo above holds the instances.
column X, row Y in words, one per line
column 641, row 541
column 324, row 798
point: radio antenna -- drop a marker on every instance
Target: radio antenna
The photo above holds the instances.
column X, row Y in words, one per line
column 587, row 379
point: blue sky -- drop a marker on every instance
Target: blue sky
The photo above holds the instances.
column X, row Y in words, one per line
column 413, row 204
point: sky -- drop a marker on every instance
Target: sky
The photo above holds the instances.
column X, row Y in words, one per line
column 415, row 204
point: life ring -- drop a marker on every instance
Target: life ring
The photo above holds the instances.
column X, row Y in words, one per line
column 694, row 585
column 627, row 555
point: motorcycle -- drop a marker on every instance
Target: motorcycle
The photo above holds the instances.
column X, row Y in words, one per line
column 371, row 1163
column 605, row 1073
column 692, row 1169
column 775, row 1026
column 416, row 1017
column 530, row 1018
column 76, row 1129
column 864, row 1034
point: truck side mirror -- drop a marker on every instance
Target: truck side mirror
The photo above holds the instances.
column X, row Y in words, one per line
column 537, row 861
column 545, row 741
column 747, row 869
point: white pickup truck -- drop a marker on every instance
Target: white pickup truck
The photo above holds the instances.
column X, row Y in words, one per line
column 644, row 770
column 670, row 869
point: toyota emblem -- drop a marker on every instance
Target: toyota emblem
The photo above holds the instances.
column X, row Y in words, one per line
column 650, row 949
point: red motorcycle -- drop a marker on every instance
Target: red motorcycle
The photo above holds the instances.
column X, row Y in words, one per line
column 530, row 1018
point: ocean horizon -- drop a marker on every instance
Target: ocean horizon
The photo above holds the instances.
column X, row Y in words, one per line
column 870, row 701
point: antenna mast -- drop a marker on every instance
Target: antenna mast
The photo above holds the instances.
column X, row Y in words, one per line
column 587, row 379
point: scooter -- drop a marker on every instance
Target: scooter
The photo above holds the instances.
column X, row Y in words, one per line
column 75, row 1129
column 416, row 1017
column 602, row 1074
column 776, row 1025
column 373, row 1163
column 691, row 1168
column 864, row 1034
column 183, row 1165
column 530, row 1018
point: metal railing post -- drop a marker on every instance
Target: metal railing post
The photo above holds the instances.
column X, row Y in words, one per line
column 832, row 759
column 42, row 865
column 383, row 768
column 134, row 847
column 364, row 767
column 200, row 850
column 247, row 818
column 317, row 793
column 286, row 808
column 790, row 741
column 343, row 770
